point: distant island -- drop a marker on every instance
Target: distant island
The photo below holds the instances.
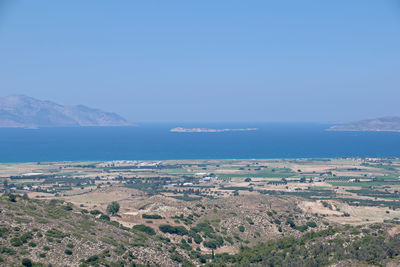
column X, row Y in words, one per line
column 20, row 111
column 208, row 130
column 385, row 124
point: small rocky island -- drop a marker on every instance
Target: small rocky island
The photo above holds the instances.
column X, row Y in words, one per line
column 385, row 124
column 208, row 130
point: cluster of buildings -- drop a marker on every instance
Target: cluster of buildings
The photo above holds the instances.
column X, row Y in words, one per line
column 205, row 179
column 208, row 179
column 117, row 163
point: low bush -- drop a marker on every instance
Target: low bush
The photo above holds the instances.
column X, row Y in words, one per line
column 145, row 229
column 95, row 212
column 27, row 262
column 177, row 230
column 151, row 216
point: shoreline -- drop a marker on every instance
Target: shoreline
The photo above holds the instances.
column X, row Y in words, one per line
column 193, row 159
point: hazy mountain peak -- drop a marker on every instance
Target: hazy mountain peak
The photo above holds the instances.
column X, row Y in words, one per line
column 25, row 111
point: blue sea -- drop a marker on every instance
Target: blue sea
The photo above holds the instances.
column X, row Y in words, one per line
column 156, row 142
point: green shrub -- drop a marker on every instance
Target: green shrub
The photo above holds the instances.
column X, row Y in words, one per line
column 145, row 229
column 151, row 216
column 301, row 228
column 104, row 217
column 214, row 243
column 12, row 197
column 95, row 212
column 196, row 237
column 55, row 233
column 249, row 220
column 6, row 250
column 27, row 262
column 204, row 227
column 311, row 224
column 26, row 236
column 291, row 223
column 241, row 228
column 93, row 258
column 355, row 232
column 185, row 246
column 68, row 252
column 229, row 240
column 3, row 232
column 67, row 207
column 16, row 242
column 176, row 257
column 177, row 230
column 116, row 224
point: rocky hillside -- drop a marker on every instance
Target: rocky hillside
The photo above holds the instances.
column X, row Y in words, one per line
column 57, row 233
column 385, row 124
column 24, row 111
column 53, row 232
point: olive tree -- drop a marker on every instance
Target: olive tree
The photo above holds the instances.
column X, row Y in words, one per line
column 113, row 208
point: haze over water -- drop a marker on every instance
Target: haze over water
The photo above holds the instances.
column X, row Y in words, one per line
column 156, row 142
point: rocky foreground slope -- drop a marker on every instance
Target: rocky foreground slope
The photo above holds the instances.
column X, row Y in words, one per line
column 59, row 234
column 55, row 233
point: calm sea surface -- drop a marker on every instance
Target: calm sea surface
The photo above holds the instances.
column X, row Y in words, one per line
column 155, row 142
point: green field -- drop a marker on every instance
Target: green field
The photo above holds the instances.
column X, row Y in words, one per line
column 363, row 184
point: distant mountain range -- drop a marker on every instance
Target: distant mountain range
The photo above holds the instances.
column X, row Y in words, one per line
column 27, row 112
column 385, row 124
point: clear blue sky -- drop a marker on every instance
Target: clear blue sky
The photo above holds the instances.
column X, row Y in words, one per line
column 207, row 61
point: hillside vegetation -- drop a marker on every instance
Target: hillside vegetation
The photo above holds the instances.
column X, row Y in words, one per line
column 56, row 233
